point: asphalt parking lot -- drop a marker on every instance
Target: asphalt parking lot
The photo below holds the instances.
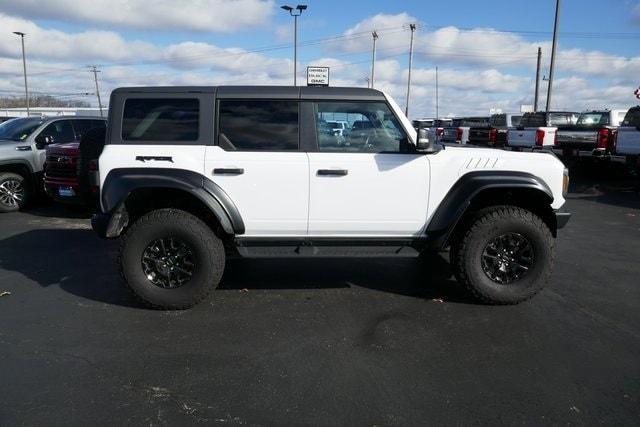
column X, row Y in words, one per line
column 365, row 342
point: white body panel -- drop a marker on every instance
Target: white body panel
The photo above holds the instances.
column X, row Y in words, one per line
column 526, row 138
column 381, row 195
column 272, row 195
column 115, row 156
column 628, row 141
column 448, row 165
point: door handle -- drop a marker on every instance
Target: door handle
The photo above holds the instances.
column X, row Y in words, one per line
column 332, row 172
column 23, row 148
column 228, row 171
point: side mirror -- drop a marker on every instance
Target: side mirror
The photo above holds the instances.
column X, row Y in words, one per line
column 42, row 141
column 425, row 145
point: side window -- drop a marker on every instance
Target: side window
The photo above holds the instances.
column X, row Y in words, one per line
column 371, row 128
column 258, row 125
column 59, row 132
column 82, row 126
column 156, row 119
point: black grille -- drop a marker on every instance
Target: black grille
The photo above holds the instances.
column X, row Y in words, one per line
column 60, row 169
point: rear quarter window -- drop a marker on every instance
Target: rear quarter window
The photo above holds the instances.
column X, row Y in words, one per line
column 159, row 119
column 632, row 118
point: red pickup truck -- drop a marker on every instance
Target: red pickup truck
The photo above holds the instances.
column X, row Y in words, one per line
column 71, row 169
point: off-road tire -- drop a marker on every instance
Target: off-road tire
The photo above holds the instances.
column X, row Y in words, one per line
column 10, row 177
column 470, row 242
column 207, row 248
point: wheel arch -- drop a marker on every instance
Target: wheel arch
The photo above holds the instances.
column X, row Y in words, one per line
column 477, row 190
column 131, row 192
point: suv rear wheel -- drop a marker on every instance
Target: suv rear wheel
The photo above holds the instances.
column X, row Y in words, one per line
column 504, row 256
column 14, row 192
column 170, row 259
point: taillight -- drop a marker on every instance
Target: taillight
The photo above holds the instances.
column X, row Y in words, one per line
column 440, row 131
column 614, row 141
column 493, row 135
column 603, row 139
column 459, row 135
column 540, row 137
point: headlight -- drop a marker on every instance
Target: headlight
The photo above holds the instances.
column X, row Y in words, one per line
column 565, row 182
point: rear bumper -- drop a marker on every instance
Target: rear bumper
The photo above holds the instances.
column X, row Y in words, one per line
column 562, row 218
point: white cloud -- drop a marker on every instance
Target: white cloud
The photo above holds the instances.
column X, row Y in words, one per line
column 478, row 47
column 57, row 45
column 196, row 15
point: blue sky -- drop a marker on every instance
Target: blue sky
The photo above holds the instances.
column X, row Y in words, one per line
column 485, row 51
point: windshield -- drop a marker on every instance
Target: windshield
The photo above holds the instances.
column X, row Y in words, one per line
column 19, row 129
column 593, row 119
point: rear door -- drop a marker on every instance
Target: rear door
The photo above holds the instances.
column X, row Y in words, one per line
column 369, row 185
column 158, row 130
column 256, row 160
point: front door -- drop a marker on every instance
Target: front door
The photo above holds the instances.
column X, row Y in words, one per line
column 257, row 162
column 368, row 181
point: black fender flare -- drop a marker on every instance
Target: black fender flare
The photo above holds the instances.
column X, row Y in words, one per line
column 468, row 186
column 119, row 183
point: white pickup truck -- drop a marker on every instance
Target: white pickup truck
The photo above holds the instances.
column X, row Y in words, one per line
column 538, row 130
column 626, row 141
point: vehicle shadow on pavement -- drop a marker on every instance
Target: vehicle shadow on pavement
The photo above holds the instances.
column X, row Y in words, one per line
column 76, row 260
column 428, row 278
column 85, row 266
column 50, row 209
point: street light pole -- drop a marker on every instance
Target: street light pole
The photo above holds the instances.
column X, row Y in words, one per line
column 535, row 97
column 553, row 53
column 24, row 70
column 413, row 30
column 437, row 106
column 373, row 58
column 300, row 8
column 95, row 72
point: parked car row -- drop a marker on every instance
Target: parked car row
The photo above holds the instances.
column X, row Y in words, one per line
column 599, row 133
column 54, row 155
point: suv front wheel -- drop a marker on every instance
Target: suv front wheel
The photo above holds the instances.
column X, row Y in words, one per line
column 171, row 259
column 14, row 192
column 504, row 255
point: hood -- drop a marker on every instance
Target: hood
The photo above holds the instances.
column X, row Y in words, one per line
column 69, row 149
column 8, row 148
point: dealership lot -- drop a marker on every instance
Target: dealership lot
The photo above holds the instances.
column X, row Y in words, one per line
column 367, row 342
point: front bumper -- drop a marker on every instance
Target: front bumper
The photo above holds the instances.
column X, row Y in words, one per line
column 562, row 218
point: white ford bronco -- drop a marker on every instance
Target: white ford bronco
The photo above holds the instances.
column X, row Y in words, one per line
column 190, row 176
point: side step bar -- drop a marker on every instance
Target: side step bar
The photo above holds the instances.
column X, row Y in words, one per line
column 328, row 248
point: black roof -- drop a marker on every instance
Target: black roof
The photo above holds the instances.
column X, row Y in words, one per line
column 281, row 92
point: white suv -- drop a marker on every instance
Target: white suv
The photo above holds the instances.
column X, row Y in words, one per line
column 193, row 175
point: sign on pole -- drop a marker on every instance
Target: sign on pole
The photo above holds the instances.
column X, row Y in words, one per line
column 317, row 76
column 637, row 93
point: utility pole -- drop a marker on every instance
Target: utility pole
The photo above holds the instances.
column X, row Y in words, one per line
column 24, row 70
column 300, row 8
column 368, row 80
column 535, row 98
column 95, row 72
column 553, row 53
column 413, row 30
column 373, row 58
column 437, row 112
